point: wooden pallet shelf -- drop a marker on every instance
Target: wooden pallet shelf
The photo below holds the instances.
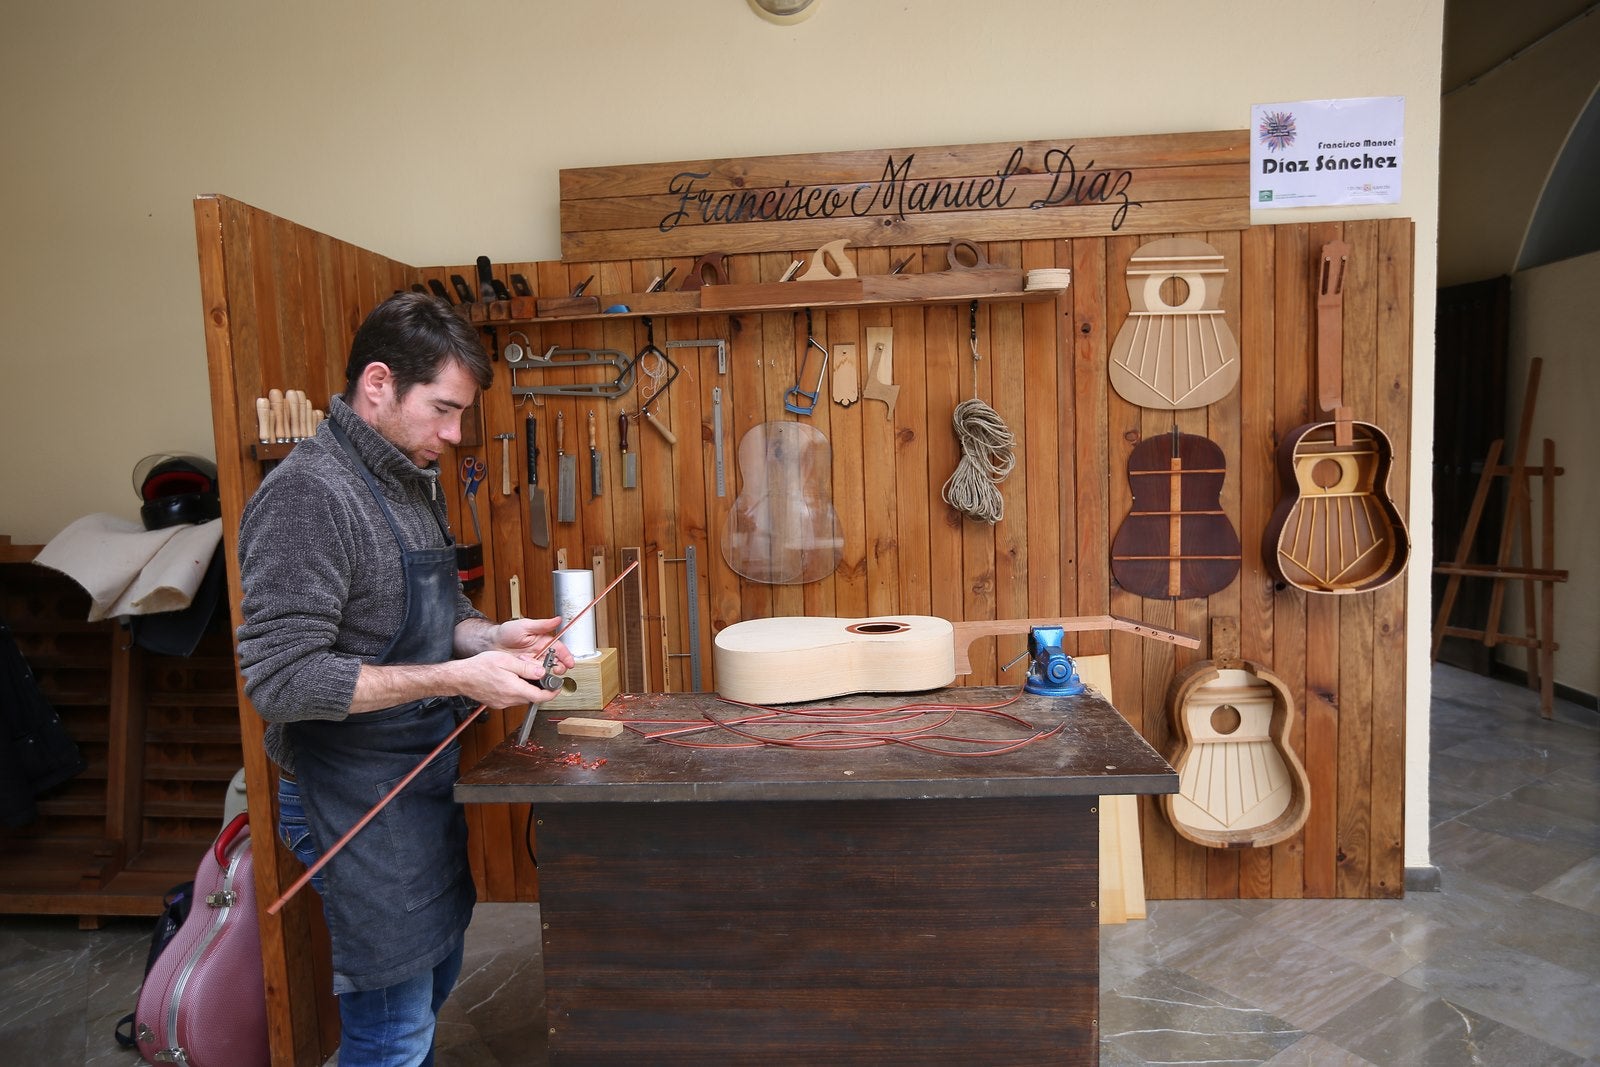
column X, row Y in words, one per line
column 159, row 734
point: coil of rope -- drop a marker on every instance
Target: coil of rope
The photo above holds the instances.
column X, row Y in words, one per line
column 987, row 450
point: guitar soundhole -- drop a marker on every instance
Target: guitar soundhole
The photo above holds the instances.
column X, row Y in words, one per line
column 878, row 628
column 1226, row 719
column 1327, row 473
column 1175, row 292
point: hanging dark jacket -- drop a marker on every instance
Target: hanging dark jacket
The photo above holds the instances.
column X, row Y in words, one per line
column 36, row 752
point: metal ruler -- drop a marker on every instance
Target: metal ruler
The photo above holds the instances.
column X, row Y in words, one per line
column 716, row 440
column 720, row 345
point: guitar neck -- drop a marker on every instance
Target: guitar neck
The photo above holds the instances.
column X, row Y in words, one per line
column 1330, row 328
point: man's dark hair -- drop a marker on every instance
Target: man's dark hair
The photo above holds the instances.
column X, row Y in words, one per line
column 413, row 334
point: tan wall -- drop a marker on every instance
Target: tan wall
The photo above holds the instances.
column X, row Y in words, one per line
column 434, row 134
column 1554, row 316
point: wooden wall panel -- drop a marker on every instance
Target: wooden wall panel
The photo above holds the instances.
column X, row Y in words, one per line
column 1043, row 367
column 282, row 303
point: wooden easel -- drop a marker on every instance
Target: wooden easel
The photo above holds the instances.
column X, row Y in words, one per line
column 1516, row 542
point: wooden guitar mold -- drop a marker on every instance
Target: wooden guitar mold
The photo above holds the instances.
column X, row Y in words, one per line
column 1240, row 785
column 1175, row 349
column 1335, row 529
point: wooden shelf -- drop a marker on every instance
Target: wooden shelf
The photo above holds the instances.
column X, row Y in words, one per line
column 877, row 290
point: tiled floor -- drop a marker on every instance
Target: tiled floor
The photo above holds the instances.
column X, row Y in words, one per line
column 1500, row 967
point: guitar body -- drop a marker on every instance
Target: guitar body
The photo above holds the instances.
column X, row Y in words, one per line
column 1176, row 541
column 1335, row 529
column 784, row 660
column 1240, row 785
column 782, row 528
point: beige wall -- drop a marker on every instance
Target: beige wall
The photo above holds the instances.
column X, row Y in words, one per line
column 434, row 132
column 1554, row 315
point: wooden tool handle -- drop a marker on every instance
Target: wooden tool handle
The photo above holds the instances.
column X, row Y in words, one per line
column 661, row 428
column 561, row 432
column 264, row 419
column 592, row 445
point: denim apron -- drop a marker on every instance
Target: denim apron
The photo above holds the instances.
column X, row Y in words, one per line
column 400, row 894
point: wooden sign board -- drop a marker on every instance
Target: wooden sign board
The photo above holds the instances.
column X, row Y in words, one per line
column 1083, row 187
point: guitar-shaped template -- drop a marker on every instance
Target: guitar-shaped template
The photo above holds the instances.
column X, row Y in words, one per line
column 782, row 528
column 1240, row 784
column 1335, row 529
column 1176, row 542
column 1175, row 349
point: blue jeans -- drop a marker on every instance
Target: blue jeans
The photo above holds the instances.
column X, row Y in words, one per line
column 389, row 1027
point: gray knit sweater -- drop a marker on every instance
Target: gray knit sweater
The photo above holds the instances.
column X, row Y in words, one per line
column 323, row 590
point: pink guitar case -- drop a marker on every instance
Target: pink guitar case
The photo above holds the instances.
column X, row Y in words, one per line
column 204, row 1001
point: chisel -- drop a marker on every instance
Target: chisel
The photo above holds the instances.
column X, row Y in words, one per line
column 596, row 486
column 630, row 460
column 566, row 475
column 538, row 519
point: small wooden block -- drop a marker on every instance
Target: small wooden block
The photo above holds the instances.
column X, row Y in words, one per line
column 589, row 727
column 557, row 306
column 597, row 680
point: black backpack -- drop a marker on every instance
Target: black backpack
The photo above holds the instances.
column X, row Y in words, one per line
column 175, row 909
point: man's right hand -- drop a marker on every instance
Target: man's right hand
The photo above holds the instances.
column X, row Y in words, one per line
column 496, row 679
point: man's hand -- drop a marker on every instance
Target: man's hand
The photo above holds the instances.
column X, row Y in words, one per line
column 498, row 667
column 530, row 635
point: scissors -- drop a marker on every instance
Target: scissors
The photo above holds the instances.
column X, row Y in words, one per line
column 472, row 471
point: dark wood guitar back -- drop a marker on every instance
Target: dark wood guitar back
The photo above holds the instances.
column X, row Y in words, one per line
column 1176, row 542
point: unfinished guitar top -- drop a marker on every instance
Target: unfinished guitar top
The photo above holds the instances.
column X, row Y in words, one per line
column 1175, row 350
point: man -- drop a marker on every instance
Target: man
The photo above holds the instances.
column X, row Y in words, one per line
column 361, row 652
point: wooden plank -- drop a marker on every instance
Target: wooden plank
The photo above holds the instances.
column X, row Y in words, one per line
column 1356, row 644
column 1040, row 445
column 1089, row 221
column 915, row 491
column 947, row 355
column 1008, row 191
column 1257, row 481
column 880, row 199
column 1392, row 409
column 1292, row 328
column 1008, row 395
column 1218, row 147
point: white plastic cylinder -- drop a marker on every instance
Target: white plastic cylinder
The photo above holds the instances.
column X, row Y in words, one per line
column 573, row 590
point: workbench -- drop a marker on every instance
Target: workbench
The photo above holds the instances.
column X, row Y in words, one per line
column 783, row 905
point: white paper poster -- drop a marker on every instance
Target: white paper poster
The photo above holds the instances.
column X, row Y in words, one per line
column 1315, row 152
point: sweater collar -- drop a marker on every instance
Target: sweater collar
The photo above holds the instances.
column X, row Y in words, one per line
column 387, row 463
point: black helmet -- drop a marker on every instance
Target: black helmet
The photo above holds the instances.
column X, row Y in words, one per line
column 176, row 490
